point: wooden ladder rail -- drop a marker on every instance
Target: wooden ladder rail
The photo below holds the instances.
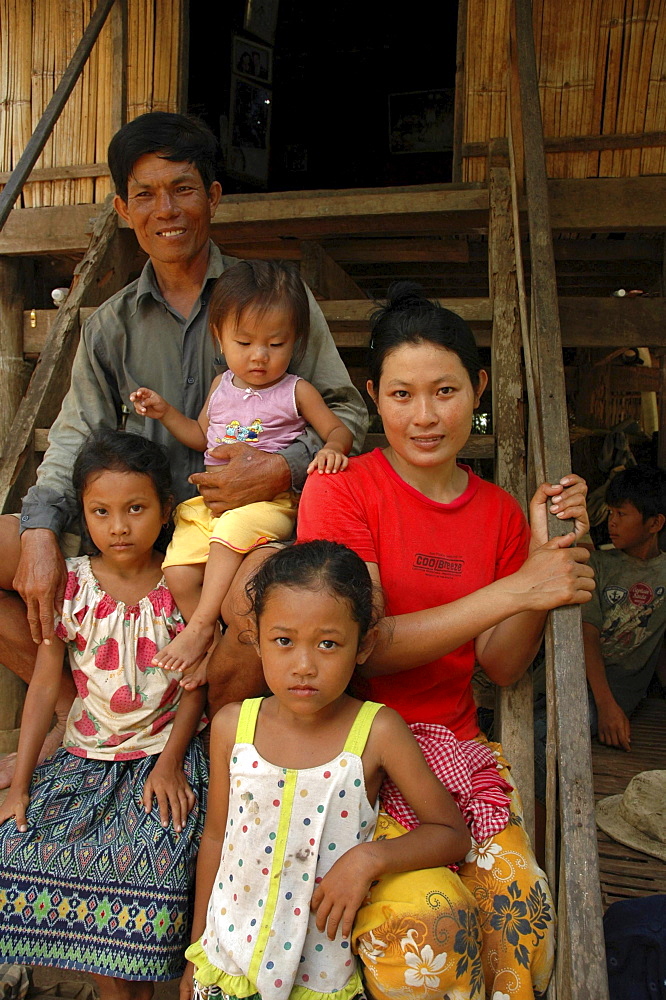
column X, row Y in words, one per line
column 580, row 963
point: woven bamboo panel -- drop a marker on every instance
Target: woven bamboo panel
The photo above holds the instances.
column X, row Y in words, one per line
column 602, row 71
column 37, row 41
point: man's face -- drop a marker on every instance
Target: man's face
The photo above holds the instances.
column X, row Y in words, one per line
column 168, row 208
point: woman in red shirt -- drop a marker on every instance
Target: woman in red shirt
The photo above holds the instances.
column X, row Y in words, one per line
column 463, row 580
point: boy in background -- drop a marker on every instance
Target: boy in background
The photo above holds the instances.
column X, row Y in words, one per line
column 624, row 623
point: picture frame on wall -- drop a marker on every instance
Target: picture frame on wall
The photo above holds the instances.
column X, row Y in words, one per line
column 261, row 19
column 248, row 149
column 252, row 59
column 421, row 121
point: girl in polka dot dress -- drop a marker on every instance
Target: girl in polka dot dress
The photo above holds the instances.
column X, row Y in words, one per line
column 287, row 855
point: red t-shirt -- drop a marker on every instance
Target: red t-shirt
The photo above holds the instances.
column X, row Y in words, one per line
column 428, row 554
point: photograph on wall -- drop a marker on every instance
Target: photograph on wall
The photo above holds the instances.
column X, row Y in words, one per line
column 249, row 131
column 252, row 59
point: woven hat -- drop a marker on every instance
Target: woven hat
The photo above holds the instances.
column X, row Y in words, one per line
column 637, row 818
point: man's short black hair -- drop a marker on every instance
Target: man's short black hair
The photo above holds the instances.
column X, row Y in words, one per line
column 179, row 138
column 643, row 486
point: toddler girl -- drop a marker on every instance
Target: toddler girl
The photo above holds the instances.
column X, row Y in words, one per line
column 98, row 843
column 287, row 855
column 260, row 317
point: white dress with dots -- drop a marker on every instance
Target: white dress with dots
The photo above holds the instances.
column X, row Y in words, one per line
column 285, row 829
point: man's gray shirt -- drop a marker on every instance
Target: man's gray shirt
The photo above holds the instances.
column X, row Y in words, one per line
column 136, row 339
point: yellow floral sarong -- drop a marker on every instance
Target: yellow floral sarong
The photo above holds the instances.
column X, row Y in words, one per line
column 487, row 931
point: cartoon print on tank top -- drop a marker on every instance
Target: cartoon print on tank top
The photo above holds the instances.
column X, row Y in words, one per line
column 234, row 431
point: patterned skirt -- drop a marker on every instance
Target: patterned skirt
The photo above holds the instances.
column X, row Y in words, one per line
column 96, row 883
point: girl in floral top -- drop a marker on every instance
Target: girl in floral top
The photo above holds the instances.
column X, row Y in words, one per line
column 97, row 859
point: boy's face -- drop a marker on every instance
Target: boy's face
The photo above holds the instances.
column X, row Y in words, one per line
column 627, row 529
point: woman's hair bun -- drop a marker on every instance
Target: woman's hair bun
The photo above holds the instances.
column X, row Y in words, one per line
column 403, row 295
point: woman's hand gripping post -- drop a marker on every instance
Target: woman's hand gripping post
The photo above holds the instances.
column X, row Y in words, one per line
column 556, row 572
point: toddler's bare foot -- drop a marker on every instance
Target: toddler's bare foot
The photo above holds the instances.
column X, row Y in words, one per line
column 198, row 676
column 187, row 649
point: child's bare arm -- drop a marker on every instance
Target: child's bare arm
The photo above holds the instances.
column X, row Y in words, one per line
column 222, row 737
column 442, row 837
column 337, row 438
column 37, row 714
column 148, row 403
column 167, row 782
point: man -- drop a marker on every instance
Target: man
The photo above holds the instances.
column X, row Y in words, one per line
column 154, row 332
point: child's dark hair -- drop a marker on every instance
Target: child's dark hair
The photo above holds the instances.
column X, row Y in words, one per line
column 261, row 284
column 116, row 451
column 317, row 565
column 642, row 486
column 409, row 317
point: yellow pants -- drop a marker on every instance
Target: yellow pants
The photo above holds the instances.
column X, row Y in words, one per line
column 240, row 529
column 487, row 931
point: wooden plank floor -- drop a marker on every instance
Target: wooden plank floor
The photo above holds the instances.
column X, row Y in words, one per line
column 624, row 872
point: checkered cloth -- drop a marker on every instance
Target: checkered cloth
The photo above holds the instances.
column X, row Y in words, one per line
column 469, row 770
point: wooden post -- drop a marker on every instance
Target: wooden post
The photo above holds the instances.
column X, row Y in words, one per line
column 514, row 709
column 584, row 942
column 460, row 104
column 14, row 369
column 12, row 385
column 119, row 74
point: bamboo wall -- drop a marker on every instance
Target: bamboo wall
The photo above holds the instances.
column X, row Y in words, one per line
column 602, row 71
column 37, row 40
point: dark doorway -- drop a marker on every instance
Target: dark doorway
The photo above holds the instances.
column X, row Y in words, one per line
column 348, row 96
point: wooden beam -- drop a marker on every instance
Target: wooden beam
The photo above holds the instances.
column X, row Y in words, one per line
column 268, row 249
column 612, row 322
column 313, row 214
column 472, row 310
column 605, row 249
column 583, row 143
column 324, row 276
column 592, row 205
column 61, row 173
column 630, row 378
column 608, row 204
column 436, row 251
column 48, row 230
column 585, row 322
column 582, row 945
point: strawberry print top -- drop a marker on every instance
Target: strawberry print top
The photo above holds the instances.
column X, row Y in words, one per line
column 125, row 706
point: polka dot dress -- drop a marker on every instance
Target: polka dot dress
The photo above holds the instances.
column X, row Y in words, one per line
column 285, row 830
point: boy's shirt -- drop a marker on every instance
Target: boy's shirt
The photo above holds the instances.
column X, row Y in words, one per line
column 629, row 609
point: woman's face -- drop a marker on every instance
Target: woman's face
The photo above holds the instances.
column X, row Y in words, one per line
column 426, row 401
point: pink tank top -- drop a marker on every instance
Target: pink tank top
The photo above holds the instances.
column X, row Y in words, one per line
column 265, row 418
